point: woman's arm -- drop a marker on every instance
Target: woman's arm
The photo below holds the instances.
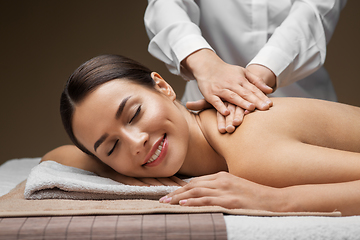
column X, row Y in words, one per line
column 343, row 197
column 70, row 155
column 226, row 190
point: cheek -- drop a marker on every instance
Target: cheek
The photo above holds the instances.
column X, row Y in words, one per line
column 121, row 165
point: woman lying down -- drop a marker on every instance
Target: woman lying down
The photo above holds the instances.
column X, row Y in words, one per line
column 301, row 155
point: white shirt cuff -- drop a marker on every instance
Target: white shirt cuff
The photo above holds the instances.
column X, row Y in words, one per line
column 277, row 61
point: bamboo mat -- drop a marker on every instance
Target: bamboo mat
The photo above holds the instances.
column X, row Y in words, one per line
column 142, row 227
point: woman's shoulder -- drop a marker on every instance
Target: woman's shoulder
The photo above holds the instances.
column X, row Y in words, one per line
column 255, row 124
column 207, row 121
column 208, row 117
column 256, row 130
column 222, row 142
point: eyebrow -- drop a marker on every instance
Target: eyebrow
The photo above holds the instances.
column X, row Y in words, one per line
column 100, row 141
column 121, row 107
column 117, row 116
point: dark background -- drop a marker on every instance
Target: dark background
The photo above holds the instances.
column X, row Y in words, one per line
column 42, row 42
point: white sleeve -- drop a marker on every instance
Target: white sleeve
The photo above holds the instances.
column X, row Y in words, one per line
column 297, row 47
column 172, row 26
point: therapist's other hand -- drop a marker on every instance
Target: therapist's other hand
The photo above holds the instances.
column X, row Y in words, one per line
column 226, row 124
column 264, row 76
column 220, row 82
column 225, row 190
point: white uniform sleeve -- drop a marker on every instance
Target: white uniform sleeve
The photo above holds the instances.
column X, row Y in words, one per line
column 172, row 26
column 297, row 47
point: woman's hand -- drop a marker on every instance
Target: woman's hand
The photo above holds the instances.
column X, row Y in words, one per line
column 225, row 190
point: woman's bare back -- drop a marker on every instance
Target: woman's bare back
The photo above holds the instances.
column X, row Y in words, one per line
column 297, row 141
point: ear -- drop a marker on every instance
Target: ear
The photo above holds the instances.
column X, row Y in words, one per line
column 162, row 86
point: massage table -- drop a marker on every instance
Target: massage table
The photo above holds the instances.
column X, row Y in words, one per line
column 164, row 226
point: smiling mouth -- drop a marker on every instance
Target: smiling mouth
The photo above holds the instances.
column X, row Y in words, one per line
column 157, row 152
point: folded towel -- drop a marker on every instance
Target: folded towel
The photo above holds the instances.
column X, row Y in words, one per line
column 51, row 180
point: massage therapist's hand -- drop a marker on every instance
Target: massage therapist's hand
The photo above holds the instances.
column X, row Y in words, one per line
column 226, row 124
column 228, row 191
column 264, row 74
column 220, row 82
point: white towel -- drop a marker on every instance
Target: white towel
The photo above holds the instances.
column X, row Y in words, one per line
column 292, row 228
column 51, row 180
column 15, row 171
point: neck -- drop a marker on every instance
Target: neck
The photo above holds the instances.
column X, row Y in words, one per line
column 201, row 158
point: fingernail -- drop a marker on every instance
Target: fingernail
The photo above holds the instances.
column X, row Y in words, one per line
column 230, row 128
column 167, row 200
column 182, row 202
column 162, row 199
column 237, row 122
column 222, row 129
column 265, row 105
column 251, row 106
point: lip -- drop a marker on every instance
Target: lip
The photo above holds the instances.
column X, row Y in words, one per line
column 154, row 148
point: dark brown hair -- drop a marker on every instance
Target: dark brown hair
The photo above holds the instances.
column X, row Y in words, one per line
column 91, row 75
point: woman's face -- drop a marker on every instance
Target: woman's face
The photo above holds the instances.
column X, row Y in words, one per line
column 139, row 132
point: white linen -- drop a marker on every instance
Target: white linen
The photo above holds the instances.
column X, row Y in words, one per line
column 51, row 180
column 292, row 228
column 14, row 172
column 288, row 37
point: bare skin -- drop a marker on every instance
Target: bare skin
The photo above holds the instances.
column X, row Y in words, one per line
column 309, row 160
column 298, row 139
column 294, row 157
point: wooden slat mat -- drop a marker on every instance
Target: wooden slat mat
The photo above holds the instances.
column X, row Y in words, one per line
column 151, row 226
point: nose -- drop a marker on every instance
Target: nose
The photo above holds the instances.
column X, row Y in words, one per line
column 136, row 140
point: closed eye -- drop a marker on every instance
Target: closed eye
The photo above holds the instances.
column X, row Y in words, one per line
column 136, row 113
column 111, row 151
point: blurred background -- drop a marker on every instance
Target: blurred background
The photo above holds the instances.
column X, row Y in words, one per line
column 43, row 41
